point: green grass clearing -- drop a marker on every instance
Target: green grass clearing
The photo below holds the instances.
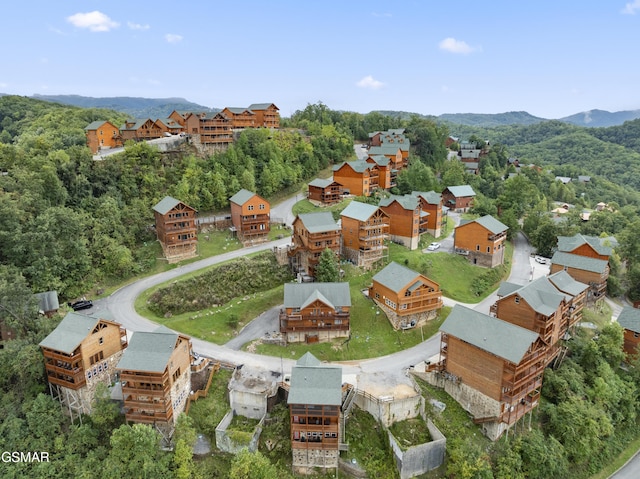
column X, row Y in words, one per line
column 410, row 432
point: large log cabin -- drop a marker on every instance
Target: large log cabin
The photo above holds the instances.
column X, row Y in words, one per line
column 432, row 203
column 250, row 215
column 102, row 135
column 315, row 312
column 591, row 271
column 458, row 198
column 312, row 234
column 325, row 191
column 629, row 319
column 315, row 400
column 408, row 298
column 176, row 229
column 550, row 306
column 387, row 175
column 481, row 241
column 267, row 115
column 357, row 178
column 365, row 229
column 142, row 129
column 80, row 353
column 493, row 368
column 405, row 217
column 155, row 372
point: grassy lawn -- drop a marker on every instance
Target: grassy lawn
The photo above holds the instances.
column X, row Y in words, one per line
column 371, row 332
column 599, row 316
column 277, row 232
column 410, row 432
column 305, row 206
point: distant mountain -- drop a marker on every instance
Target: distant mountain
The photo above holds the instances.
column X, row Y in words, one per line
column 489, row 120
column 597, row 118
column 135, row 107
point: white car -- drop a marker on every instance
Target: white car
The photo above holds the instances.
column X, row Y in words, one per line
column 433, row 246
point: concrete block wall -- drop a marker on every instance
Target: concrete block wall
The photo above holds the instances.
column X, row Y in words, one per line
column 421, row 458
column 226, row 444
column 306, row 459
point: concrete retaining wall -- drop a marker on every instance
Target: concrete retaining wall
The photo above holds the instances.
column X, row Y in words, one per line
column 226, row 444
column 421, row 458
column 388, row 409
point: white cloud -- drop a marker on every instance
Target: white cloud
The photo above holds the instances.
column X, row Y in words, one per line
column 173, row 38
column 370, row 82
column 456, row 46
column 631, row 7
column 95, row 21
column 137, row 26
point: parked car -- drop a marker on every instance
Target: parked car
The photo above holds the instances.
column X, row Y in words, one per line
column 81, row 304
column 433, row 246
column 541, row 260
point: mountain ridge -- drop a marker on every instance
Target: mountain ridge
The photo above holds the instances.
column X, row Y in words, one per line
column 141, row 107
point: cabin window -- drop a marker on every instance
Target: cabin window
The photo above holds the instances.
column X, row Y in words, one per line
column 261, row 206
column 407, row 293
column 250, row 207
column 488, row 249
column 477, row 247
column 377, row 295
column 403, row 306
column 176, row 375
column 517, row 299
column 635, row 335
column 101, row 341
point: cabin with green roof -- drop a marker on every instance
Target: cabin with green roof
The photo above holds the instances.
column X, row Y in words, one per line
column 458, row 198
column 432, row 204
column 357, row 178
column 250, row 215
column 629, row 319
column 550, row 306
column 408, row 298
column 482, row 241
column 312, row 234
column 493, row 368
column 315, row 411
column 365, row 230
column 80, row 353
column 102, row 135
column 315, row 312
column 589, row 270
column 326, row 191
column 176, row 229
column 155, row 372
column 405, row 217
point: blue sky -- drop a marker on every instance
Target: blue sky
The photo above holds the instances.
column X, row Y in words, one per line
column 551, row 58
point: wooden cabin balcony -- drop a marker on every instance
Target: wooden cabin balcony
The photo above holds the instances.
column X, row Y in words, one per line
column 418, row 304
column 497, row 237
column 254, row 219
column 137, row 390
column 72, row 379
column 137, row 377
column 58, row 356
column 155, row 406
column 148, row 417
column 290, row 326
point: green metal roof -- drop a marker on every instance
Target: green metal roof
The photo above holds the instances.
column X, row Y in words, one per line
column 541, row 295
column 149, row 351
column 359, row 211
column 165, row 205
column 239, row 110
column 380, row 160
column 492, row 224
column 408, row 202
column 430, row 197
column 569, row 243
column 299, row 295
column 579, row 262
column 318, row 222
column 321, row 182
column 315, row 383
column 357, row 165
column 70, row 333
column 261, row 106
column 395, row 276
column 507, row 288
column 385, row 149
column 493, row 335
column 461, row 191
column 241, row 197
column 565, row 283
column 629, row 319
column 94, row 125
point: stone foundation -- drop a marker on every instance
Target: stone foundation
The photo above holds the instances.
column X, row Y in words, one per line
column 304, row 460
column 180, row 393
column 323, row 336
column 404, row 321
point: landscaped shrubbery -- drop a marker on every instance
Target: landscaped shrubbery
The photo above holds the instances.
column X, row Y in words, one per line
column 219, row 285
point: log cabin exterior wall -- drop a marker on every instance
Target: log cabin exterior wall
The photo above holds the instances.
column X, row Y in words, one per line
column 102, row 135
column 250, row 215
column 176, row 229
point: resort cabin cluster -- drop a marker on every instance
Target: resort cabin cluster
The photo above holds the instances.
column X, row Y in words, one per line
column 214, row 129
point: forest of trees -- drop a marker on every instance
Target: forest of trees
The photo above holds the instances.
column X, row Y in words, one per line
column 68, row 222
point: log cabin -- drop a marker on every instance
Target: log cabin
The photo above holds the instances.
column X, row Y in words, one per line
column 550, row 306
column 405, row 217
column 80, row 353
column 315, row 400
column 240, row 117
column 458, row 198
column 591, row 271
column 102, row 135
column 155, row 373
column 365, row 229
column 142, row 129
column 357, row 178
column 394, row 152
column 583, row 245
column 315, row 312
column 176, row 229
column 629, row 319
column 387, row 176
column 250, row 215
column 493, row 368
column 481, row 241
column 267, row 115
column 325, row 191
column 432, row 203
column 312, row 234
column 408, row 298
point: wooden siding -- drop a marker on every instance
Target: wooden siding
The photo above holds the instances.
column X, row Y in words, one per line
column 473, row 238
column 402, row 222
column 251, row 219
column 588, row 251
column 105, row 136
column 631, row 342
column 428, row 297
column 462, row 203
column 314, row 426
column 356, row 183
column 307, row 247
column 177, row 228
column 314, row 318
column 329, row 195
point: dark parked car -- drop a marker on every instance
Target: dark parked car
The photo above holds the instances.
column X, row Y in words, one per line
column 82, row 304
